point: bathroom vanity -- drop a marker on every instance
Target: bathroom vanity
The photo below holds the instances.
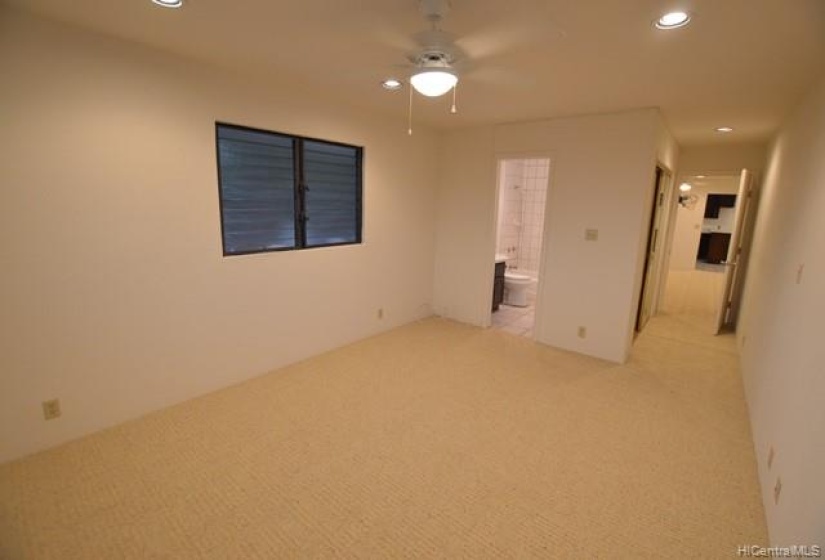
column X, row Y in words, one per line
column 498, row 281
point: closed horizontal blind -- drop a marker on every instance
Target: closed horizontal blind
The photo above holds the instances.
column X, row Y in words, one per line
column 333, row 198
column 257, row 183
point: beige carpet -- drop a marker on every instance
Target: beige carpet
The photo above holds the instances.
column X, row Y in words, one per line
column 691, row 301
column 436, row 440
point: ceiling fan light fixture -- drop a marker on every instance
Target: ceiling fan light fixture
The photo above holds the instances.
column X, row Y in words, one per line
column 672, row 20
column 434, row 82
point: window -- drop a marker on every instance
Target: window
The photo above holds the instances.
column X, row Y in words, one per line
column 281, row 192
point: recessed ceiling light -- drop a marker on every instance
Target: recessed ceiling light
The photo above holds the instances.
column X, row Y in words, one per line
column 700, row 176
column 169, row 3
column 391, row 84
column 724, row 129
column 685, row 187
column 672, row 20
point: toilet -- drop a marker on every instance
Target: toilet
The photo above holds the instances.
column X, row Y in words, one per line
column 515, row 289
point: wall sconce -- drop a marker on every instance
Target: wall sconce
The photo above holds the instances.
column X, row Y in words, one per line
column 685, row 199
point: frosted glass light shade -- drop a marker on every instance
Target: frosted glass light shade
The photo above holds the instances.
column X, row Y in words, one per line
column 433, row 82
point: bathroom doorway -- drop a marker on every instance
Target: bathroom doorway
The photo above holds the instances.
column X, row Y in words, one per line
column 522, row 197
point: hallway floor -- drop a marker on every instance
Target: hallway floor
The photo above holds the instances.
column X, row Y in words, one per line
column 688, row 310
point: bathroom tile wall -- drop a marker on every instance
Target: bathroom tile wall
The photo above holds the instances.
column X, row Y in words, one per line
column 521, row 212
column 536, row 172
column 509, row 210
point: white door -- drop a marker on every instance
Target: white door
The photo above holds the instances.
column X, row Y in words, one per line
column 734, row 250
column 650, row 280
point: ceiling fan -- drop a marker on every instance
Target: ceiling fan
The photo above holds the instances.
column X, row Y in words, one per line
column 433, row 72
column 436, row 59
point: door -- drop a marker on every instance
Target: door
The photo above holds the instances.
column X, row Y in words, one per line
column 654, row 243
column 734, row 251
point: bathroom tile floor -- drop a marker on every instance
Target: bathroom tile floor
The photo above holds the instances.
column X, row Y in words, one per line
column 515, row 320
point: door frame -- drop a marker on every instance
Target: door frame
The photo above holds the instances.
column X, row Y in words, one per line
column 657, row 239
column 484, row 304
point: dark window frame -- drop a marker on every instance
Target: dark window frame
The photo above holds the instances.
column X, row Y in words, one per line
column 300, row 188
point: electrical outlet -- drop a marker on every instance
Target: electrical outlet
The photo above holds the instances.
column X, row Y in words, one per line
column 771, row 455
column 777, row 489
column 380, row 313
column 582, row 332
column 51, row 409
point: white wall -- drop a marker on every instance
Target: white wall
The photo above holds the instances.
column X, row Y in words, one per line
column 465, row 231
column 115, row 295
column 602, row 173
column 723, row 223
column 781, row 326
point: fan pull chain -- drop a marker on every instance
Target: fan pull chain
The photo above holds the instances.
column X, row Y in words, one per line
column 409, row 114
column 453, row 110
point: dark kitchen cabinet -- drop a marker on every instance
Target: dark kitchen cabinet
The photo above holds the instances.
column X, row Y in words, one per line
column 713, row 247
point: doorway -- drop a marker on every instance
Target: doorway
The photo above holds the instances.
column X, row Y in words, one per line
column 522, row 197
column 710, row 239
column 717, row 226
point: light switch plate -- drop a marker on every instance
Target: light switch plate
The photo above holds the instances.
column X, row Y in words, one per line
column 591, row 234
column 51, row 409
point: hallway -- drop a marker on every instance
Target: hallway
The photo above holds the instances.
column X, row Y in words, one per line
column 688, row 309
column 697, row 376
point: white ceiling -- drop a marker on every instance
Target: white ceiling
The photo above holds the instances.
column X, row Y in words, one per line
column 742, row 63
column 713, row 183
